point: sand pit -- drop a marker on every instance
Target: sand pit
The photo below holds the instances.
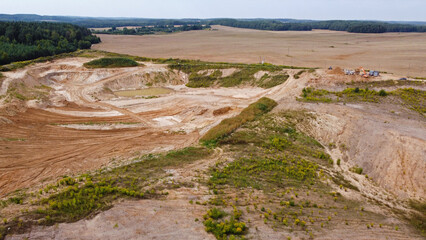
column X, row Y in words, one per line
column 81, row 126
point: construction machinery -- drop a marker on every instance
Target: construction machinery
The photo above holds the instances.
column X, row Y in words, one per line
column 363, row 73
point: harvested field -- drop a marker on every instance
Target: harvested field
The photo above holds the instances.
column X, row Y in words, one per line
column 399, row 53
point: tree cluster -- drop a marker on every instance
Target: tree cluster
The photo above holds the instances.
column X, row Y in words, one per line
column 21, row 41
column 335, row 25
column 145, row 30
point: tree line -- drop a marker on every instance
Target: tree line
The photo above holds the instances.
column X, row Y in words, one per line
column 21, row 41
column 153, row 29
column 336, row 25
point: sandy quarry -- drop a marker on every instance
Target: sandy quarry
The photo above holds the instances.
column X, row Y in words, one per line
column 55, row 139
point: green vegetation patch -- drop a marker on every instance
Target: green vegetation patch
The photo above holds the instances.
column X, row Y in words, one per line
column 22, row 92
column 221, row 227
column 269, row 82
column 298, row 74
column 261, row 173
column 111, row 63
column 72, row 199
column 243, row 75
column 276, row 155
column 250, row 113
column 418, row 218
column 413, row 99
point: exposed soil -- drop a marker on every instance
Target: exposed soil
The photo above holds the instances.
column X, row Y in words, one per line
column 51, row 148
column 83, row 126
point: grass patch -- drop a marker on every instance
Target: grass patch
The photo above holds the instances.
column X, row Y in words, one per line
column 264, row 173
column 72, row 199
column 418, row 219
column 221, row 228
column 386, row 83
column 413, row 99
column 227, row 126
column 13, row 139
column 276, row 155
column 298, row 74
column 96, row 192
column 273, row 81
column 115, row 62
column 244, row 74
column 21, row 64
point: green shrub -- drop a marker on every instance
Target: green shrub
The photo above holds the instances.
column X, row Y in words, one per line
column 111, row 63
column 224, row 229
column 215, row 213
column 383, row 93
column 356, row 169
column 227, row 126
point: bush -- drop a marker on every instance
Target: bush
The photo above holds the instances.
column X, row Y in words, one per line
column 356, row 169
column 215, row 213
column 111, row 63
column 383, row 93
column 224, row 229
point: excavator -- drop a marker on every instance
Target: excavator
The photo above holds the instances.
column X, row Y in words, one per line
column 365, row 75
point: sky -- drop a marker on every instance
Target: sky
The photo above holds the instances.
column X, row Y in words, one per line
column 388, row 10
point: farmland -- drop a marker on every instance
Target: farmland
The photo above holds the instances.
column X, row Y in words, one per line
column 399, row 53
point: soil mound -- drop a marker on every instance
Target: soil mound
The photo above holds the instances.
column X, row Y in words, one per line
column 221, row 111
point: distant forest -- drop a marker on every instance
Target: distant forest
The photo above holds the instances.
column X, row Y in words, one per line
column 153, row 29
column 21, row 41
column 336, row 25
column 261, row 24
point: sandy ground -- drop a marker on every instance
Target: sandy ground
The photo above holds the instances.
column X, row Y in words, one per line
column 175, row 218
column 390, row 147
column 55, row 141
column 400, row 53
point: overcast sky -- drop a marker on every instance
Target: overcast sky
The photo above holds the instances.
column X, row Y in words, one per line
column 408, row 10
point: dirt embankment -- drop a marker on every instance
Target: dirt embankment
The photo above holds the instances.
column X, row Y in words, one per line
column 386, row 140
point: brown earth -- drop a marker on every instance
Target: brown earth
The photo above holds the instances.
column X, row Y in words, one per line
column 399, row 53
